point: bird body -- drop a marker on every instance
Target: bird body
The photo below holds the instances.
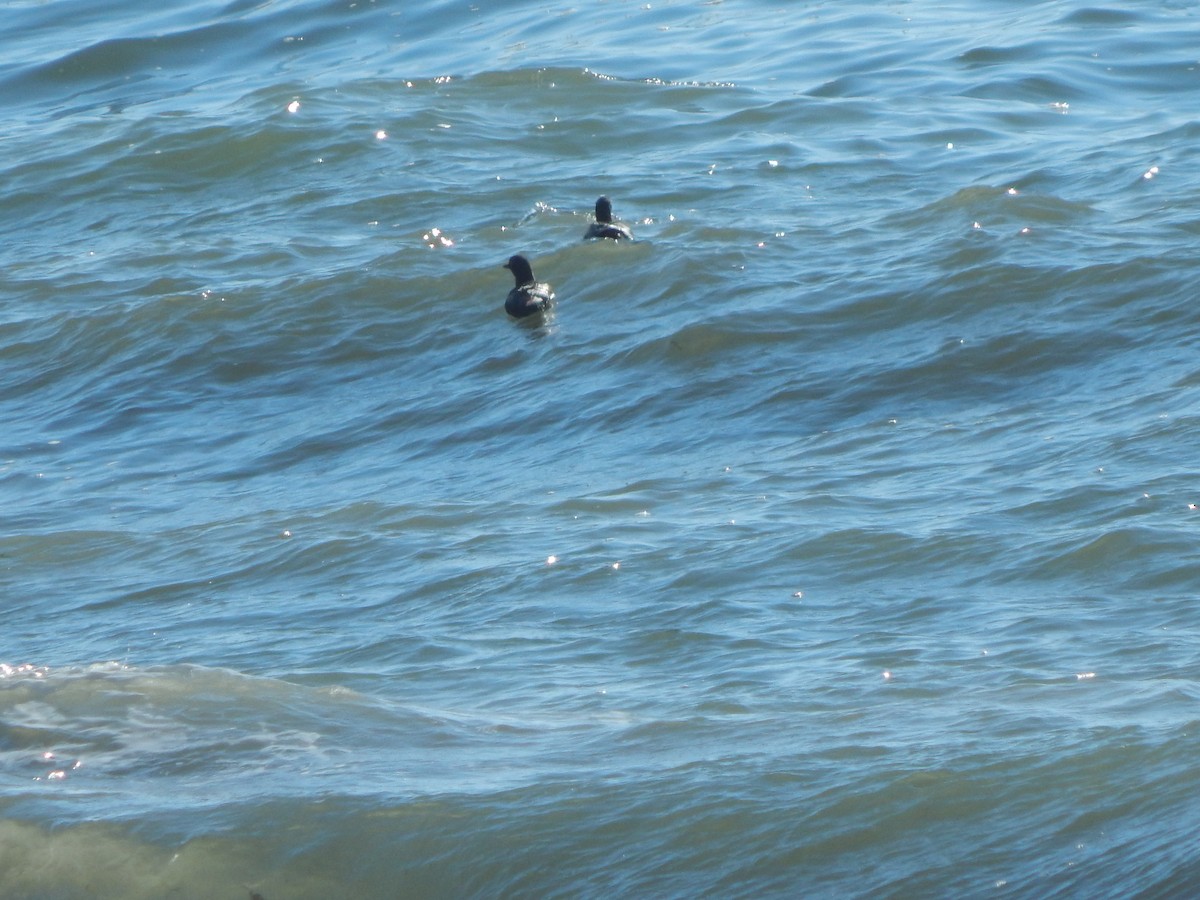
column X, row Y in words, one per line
column 529, row 296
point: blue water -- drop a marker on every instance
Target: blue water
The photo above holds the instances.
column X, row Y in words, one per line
column 836, row 537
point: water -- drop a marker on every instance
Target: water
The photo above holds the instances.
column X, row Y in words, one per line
column 835, row 538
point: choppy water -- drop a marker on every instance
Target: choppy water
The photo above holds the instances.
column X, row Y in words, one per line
column 836, row 538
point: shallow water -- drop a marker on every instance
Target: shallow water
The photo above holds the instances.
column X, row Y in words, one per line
column 834, row 538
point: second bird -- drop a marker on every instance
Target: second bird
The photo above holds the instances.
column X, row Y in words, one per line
column 604, row 226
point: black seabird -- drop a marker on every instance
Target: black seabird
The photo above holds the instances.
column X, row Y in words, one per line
column 529, row 296
column 604, row 226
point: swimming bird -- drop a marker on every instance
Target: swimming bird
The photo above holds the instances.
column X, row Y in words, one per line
column 604, row 226
column 529, row 296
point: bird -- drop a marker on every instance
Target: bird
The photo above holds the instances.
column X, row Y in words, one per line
column 604, row 226
column 529, row 296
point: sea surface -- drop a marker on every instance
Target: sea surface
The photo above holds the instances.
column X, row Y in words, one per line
column 837, row 537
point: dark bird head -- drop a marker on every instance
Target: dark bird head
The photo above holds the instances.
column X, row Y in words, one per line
column 603, row 210
column 521, row 269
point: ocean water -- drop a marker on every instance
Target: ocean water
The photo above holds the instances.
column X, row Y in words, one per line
column 835, row 538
